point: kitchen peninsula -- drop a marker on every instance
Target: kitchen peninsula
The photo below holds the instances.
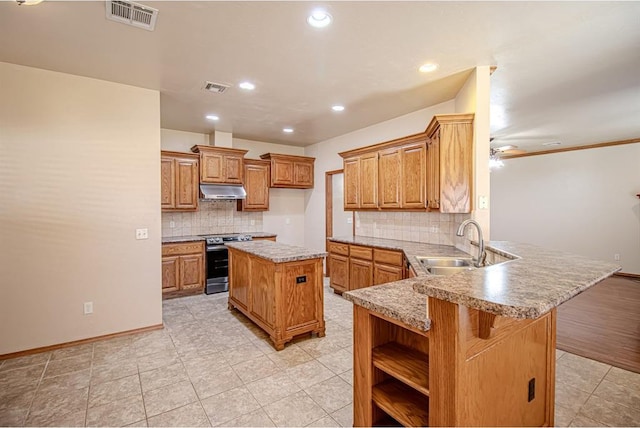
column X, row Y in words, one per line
column 472, row 349
column 278, row 287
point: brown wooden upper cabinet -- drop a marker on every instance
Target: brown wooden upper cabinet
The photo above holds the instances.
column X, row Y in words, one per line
column 220, row 165
column 361, row 176
column 179, row 181
column 431, row 170
column 288, row 171
column 256, row 183
column 450, row 160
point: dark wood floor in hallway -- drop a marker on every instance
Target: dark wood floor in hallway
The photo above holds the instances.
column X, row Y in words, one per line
column 603, row 323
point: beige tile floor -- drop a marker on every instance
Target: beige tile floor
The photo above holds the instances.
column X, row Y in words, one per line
column 212, row 367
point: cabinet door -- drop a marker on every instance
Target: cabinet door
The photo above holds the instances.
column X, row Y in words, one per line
column 455, row 167
column 360, row 273
column 256, row 183
column 413, row 160
column 351, row 183
column 282, row 172
column 170, row 274
column 233, row 169
column 191, row 271
column 433, row 172
column 339, row 268
column 385, row 273
column 186, row 193
column 303, row 174
column 212, row 168
column 389, row 178
column 167, row 183
column 368, row 180
column 300, row 292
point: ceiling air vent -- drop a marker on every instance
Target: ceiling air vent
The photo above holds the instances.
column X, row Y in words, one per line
column 216, row 87
column 135, row 14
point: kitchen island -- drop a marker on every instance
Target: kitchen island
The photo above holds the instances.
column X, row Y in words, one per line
column 472, row 349
column 278, row 287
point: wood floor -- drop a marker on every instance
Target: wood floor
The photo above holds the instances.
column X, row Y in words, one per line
column 603, row 323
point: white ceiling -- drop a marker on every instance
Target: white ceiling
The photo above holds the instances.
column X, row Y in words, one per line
column 567, row 71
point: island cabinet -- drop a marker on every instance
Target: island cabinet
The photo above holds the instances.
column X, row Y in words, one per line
column 178, row 181
column 182, row 269
column 282, row 294
column 289, row 171
column 470, row 368
column 358, row 266
column 256, row 184
column 220, row 165
column 449, row 163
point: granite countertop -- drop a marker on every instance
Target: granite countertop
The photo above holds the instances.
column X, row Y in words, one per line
column 534, row 282
column 276, row 252
column 191, row 238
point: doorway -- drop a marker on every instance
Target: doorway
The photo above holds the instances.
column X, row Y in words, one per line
column 338, row 221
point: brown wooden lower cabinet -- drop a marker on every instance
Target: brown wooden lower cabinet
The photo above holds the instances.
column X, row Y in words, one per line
column 284, row 299
column 470, row 369
column 358, row 266
column 182, row 269
column 266, row 238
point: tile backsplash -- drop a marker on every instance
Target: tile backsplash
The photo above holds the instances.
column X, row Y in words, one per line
column 430, row 228
column 212, row 217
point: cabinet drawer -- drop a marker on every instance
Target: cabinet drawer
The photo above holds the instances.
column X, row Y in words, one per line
column 358, row 252
column 388, row 257
column 182, row 248
column 338, row 248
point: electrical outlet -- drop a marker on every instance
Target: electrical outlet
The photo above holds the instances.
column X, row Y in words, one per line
column 483, row 203
column 616, row 257
column 287, row 220
column 88, row 308
column 142, row 233
column 349, row 220
column 252, row 222
column 172, row 224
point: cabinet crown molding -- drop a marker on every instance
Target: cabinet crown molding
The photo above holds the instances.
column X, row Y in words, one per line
column 179, row 154
column 286, row 157
column 198, row 148
column 414, row 138
column 441, row 119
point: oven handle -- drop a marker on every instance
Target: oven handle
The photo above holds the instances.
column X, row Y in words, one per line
column 216, row 248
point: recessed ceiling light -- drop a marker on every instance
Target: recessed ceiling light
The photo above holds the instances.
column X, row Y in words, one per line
column 287, row 130
column 247, row 85
column 428, row 67
column 337, row 107
column 552, row 143
column 212, row 117
column 319, row 18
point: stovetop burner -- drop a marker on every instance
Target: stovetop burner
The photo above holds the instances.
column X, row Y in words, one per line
column 226, row 237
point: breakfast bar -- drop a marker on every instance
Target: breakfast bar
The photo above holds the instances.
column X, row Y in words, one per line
column 476, row 348
column 278, row 287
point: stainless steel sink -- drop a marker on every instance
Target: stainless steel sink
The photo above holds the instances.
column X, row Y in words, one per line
column 446, row 265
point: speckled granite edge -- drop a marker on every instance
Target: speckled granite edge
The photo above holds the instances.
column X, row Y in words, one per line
column 527, row 287
column 396, row 300
column 194, row 238
column 276, row 252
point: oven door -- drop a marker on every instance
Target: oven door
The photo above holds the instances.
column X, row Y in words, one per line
column 217, row 269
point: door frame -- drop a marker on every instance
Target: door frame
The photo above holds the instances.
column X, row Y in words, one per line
column 328, row 215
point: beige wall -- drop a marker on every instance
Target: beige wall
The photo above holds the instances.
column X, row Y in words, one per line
column 327, row 159
column 182, row 141
column 582, row 201
column 79, row 168
column 474, row 97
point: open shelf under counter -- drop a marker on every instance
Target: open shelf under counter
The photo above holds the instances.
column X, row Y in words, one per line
column 405, row 364
column 402, row 403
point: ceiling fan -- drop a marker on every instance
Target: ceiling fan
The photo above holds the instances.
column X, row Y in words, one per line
column 507, row 150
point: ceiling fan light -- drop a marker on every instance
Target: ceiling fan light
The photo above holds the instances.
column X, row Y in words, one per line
column 28, row 2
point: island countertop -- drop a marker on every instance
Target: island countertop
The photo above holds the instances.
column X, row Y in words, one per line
column 533, row 283
column 276, row 252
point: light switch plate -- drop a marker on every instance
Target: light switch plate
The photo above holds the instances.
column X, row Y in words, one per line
column 142, row 233
column 483, row 202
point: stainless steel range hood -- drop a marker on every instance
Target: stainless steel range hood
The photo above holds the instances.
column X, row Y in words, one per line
column 222, row 191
